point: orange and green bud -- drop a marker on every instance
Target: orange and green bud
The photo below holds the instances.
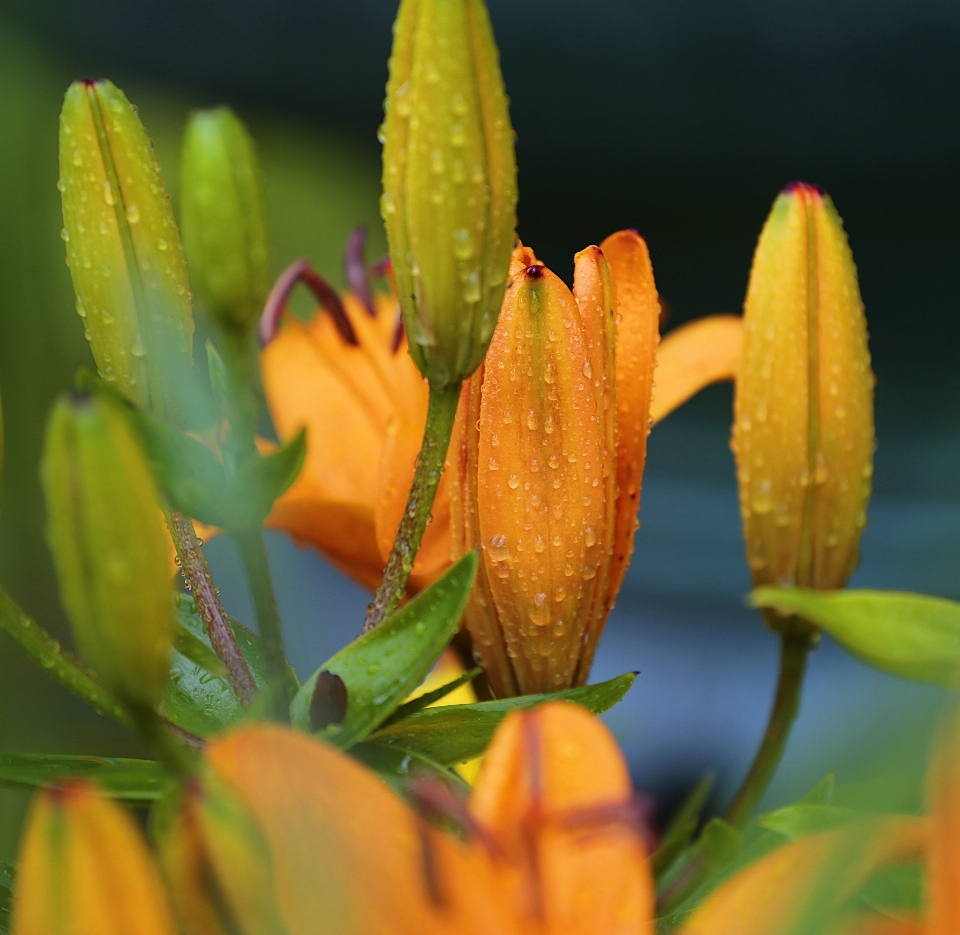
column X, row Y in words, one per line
column 123, row 250
column 224, row 217
column 84, row 869
column 106, row 533
column 547, row 461
column 803, row 410
column 449, row 182
column 217, row 863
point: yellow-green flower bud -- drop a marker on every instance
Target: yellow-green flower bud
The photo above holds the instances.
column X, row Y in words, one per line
column 803, row 410
column 111, row 552
column 223, row 217
column 123, row 250
column 449, row 182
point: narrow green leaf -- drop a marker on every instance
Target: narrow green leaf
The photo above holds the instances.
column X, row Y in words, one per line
column 914, row 636
column 822, row 792
column 429, row 698
column 261, row 479
column 134, row 780
column 62, row 667
column 381, row 668
column 7, row 871
column 719, row 843
column 896, row 891
column 197, row 651
column 679, row 832
column 396, row 766
column 799, row 820
column 457, row 733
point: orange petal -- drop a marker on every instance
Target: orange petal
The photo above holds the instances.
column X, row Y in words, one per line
column 693, row 356
column 638, row 330
column 84, row 869
column 348, row 851
column 540, row 450
column 554, row 793
column 594, row 292
column 943, row 880
column 342, row 532
column 398, row 459
column 822, row 871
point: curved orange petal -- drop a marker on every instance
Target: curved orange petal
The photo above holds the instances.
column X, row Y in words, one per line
column 342, row 532
column 638, row 330
column 397, row 461
column 84, row 869
column 349, row 856
column 554, row 793
column 693, row 356
column 943, row 880
column 818, row 872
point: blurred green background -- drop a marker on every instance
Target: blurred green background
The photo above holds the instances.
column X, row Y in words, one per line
column 682, row 119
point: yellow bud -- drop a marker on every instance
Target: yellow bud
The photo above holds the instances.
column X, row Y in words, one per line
column 803, row 411
column 84, row 869
column 123, row 250
column 111, row 552
column 217, row 864
column 223, row 217
column 449, row 182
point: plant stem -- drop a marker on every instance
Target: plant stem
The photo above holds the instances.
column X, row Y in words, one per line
column 214, row 618
column 254, row 553
column 795, row 643
column 441, row 412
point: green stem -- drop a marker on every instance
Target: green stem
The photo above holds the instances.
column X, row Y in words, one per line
column 180, row 759
column 795, row 642
column 254, row 554
column 214, row 617
column 441, row 412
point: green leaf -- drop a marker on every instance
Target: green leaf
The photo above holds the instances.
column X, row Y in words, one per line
column 456, row 733
column 396, row 766
column 381, row 668
column 896, row 891
column 822, row 792
column 7, row 871
column 683, row 824
column 719, row 843
column 429, row 698
column 197, row 700
column 800, row 820
column 198, row 652
column 914, row 636
column 261, row 479
column 135, row 780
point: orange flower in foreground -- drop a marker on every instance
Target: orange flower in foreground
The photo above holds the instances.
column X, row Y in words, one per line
column 364, row 406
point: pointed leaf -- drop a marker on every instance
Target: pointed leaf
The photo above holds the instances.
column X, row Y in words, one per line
column 800, row 820
column 719, row 843
column 135, row 780
column 381, row 668
column 914, row 636
column 822, row 792
column 260, row 480
column 396, row 766
column 425, row 700
column 896, row 891
column 683, row 823
column 457, row 733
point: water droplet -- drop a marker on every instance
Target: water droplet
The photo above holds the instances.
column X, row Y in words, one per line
column 87, row 263
column 498, row 549
column 402, row 100
column 513, row 482
column 458, row 104
column 133, row 214
column 471, row 291
column 571, row 457
column 108, row 196
column 437, row 163
column 559, row 594
column 589, row 572
column 432, row 73
column 761, row 502
column 137, row 349
column 77, row 158
column 493, row 465
column 458, row 135
column 388, row 204
column 589, row 536
column 531, row 420
column 162, row 244
column 821, row 474
column 587, row 369
column 548, row 425
column 538, row 611
column 65, row 235
column 462, row 244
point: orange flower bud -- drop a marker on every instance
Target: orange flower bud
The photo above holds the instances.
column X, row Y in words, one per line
column 803, row 410
column 547, row 463
column 84, row 869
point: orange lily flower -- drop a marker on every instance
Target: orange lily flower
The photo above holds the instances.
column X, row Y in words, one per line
column 364, row 406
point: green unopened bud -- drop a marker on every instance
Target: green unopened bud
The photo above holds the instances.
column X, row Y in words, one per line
column 109, row 546
column 223, row 217
column 123, row 250
column 449, row 182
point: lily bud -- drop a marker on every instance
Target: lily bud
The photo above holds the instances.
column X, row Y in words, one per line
column 123, row 250
column 106, row 533
column 224, row 217
column 803, row 410
column 547, row 463
column 217, row 863
column 449, row 182
column 84, row 869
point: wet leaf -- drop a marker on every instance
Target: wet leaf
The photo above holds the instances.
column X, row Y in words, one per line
column 134, row 780
column 381, row 668
column 397, row 766
column 457, row 733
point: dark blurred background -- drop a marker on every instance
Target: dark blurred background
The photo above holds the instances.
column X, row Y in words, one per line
column 682, row 118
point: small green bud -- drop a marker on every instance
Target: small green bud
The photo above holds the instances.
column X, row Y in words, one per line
column 111, row 552
column 449, row 183
column 223, row 217
column 124, row 251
